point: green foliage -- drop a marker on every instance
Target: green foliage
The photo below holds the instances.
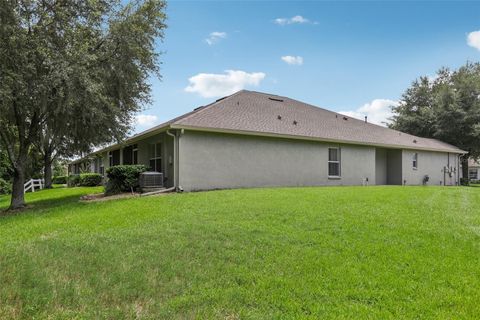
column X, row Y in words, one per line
column 73, row 75
column 464, row 182
column 123, row 178
column 90, row 179
column 381, row 252
column 445, row 108
column 5, row 187
column 73, row 180
column 60, row 180
column 6, row 171
column 59, row 168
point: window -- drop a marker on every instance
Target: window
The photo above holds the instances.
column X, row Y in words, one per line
column 415, row 161
column 135, row 154
column 114, row 158
column 130, row 155
column 156, row 157
column 473, row 174
column 334, row 162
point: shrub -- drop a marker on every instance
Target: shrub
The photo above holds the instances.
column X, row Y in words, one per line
column 464, row 182
column 60, row 180
column 5, row 187
column 90, row 179
column 123, row 178
column 73, row 180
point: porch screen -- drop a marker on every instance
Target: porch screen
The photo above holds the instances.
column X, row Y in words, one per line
column 156, row 157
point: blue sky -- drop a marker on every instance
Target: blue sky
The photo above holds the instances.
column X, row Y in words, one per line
column 353, row 57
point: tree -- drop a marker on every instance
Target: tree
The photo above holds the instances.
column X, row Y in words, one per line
column 72, row 75
column 446, row 108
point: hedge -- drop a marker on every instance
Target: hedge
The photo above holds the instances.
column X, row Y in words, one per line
column 123, row 178
column 60, row 180
column 73, row 180
column 5, row 187
column 90, row 179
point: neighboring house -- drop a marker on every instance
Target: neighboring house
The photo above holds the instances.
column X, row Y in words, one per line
column 252, row 139
column 473, row 169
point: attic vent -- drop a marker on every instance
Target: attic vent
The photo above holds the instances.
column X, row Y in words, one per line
column 275, row 99
column 345, row 118
column 279, row 117
column 221, row 99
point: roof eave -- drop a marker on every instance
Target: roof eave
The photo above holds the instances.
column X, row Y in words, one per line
column 298, row 137
column 138, row 137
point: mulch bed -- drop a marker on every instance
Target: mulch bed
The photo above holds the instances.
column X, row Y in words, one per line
column 102, row 197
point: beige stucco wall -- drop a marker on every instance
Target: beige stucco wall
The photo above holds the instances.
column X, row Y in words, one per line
column 211, row 161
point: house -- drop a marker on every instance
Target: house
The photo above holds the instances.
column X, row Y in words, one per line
column 253, row 139
column 473, row 170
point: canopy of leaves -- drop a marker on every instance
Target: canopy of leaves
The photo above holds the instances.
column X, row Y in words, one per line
column 73, row 73
column 80, row 68
column 446, row 107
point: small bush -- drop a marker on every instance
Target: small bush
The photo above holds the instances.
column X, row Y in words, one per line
column 5, row 187
column 60, row 180
column 123, row 178
column 90, row 179
column 464, row 182
column 73, row 180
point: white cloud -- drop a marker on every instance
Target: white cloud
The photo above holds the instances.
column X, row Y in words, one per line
column 473, row 39
column 215, row 37
column 293, row 60
column 145, row 120
column 210, row 85
column 378, row 111
column 292, row 20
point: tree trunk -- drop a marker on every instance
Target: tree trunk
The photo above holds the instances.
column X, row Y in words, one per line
column 18, row 192
column 464, row 167
column 47, row 171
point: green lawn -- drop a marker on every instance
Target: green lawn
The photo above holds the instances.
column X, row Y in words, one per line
column 332, row 252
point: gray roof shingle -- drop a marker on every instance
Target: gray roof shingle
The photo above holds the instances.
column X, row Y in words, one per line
column 255, row 112
column 259, row 113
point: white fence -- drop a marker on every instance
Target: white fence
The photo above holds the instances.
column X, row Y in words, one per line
column 34, row 183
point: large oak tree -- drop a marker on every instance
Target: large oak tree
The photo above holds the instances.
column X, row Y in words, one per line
column 73, row 73
column 446, row 107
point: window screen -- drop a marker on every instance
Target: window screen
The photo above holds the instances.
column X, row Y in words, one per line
column 333, row 162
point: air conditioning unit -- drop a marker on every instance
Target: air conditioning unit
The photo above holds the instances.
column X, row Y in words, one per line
column 150, row 181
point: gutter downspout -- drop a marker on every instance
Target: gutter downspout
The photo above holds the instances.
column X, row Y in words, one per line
column 175, row 161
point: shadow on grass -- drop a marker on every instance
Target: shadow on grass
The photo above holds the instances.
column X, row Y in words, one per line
column 34, row 205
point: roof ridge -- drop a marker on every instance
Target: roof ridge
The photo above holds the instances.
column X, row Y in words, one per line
column 341, row 114
column 203, row 108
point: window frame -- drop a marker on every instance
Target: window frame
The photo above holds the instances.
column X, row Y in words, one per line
column 135, row 154
column 415, row 161
column 338, row 162
column 472, row 170
column 157, row 155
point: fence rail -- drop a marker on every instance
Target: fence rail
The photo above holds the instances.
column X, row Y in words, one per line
column 31, row 184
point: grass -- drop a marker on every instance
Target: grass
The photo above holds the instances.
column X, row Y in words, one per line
column 309, row 253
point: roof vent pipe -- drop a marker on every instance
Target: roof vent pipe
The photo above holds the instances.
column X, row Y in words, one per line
column 365, row 119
